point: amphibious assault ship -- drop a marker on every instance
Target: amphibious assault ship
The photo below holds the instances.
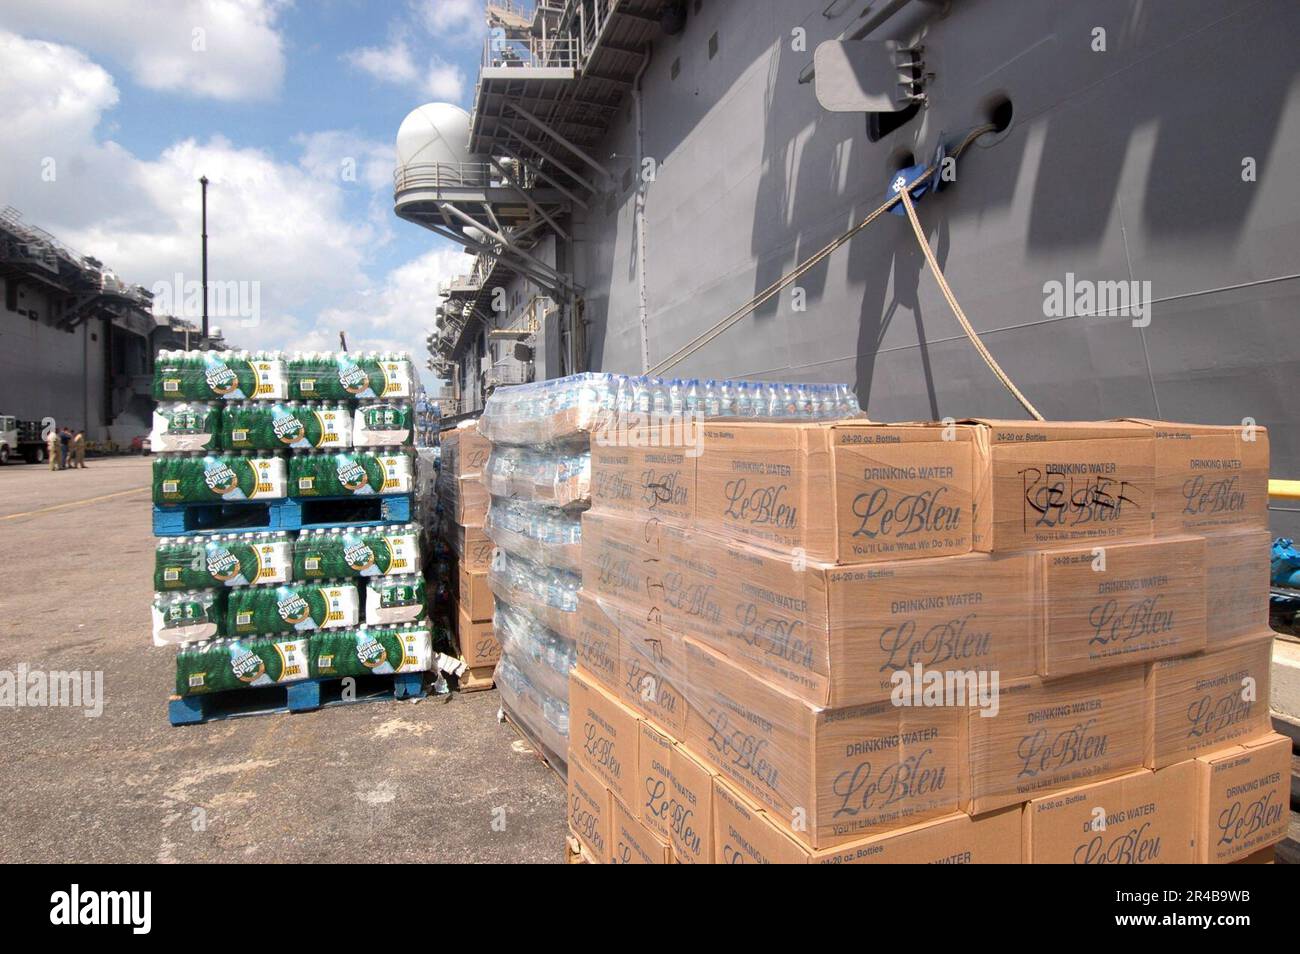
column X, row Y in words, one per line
column 76, row 342
column 1122, row 226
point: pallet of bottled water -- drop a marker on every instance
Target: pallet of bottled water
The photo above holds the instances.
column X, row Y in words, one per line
column 571, row 408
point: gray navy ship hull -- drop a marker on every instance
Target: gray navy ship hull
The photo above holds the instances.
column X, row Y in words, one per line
column 1132, row 164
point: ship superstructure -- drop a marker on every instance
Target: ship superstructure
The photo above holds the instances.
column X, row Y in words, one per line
column 1122, row 232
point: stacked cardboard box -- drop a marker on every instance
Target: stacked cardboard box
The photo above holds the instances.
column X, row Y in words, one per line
column 990, row 641
column 539, row 479
column 463, row 500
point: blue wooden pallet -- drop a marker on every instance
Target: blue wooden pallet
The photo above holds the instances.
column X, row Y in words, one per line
column 305, row 695
column 289, row 513
column 323, row 513
column 170, row 520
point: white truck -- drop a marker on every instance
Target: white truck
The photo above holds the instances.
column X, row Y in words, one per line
column 22, row 439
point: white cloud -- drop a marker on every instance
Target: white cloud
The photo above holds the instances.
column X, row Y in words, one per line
column 398, row 312
column 283, row 225
column 396, row 64
column 441, row 17
column 444, row 82
column 273, row 224
column 348, row 157
column 390, row 64
column 223, row 49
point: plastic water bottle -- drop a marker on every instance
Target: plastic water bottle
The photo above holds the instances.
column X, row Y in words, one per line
column 694, row 398
column 676, row 399
column 802, row 404
column 744, row 406
column 726, row 392
column 659, row 396
column 711, row 403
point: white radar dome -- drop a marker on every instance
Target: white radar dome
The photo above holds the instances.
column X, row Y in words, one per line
column 434, row 132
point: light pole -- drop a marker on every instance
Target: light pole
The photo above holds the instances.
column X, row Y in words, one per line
column 203, row 181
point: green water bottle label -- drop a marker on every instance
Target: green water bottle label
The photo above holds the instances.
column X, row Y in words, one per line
column 355, row 552
column 347, row 473
column 371, row 650
column 293, row 606
column 242, row 663
column 217, row 477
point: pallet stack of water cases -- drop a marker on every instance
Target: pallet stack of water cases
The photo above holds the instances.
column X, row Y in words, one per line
column 540, row 481
column 287, row 555
column 987, row 641
column 463, row 502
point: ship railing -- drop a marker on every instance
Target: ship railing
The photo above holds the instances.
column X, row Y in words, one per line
column 503, row 11
column 593, row 20
column 532, row 52
column 442, row 175
column 506, row 372
column 457, row 175
column 461, row 283
column 34, row 252
column 483, row 266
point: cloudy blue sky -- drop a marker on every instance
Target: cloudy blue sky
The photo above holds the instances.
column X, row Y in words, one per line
column 111, row 110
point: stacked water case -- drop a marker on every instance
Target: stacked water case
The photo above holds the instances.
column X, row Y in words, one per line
column 282, row 489
column 463, row 509
column 972, row 642
column 539, row 480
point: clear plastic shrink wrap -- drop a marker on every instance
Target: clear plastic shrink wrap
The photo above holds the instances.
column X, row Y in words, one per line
column 929, row 642
column 259, row 607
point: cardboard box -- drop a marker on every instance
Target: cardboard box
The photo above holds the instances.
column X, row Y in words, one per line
column 1209, row 701
column 745, row 835
column 590, row 811
column 1044, row 484
column 464, row 499
column 656, row 800
column 845, row 492
column 1140, row 818
column 476, row 680
column 957, row 839
column 472, row 546
column 620, row 559
column 1210, row 477
column 464, row 451
column 596, row 644
column 1237, row 572
column 691, row 813
column 644, row 482
column 652, row 671
column 837, row 774
column 1265, row 856
column 1243, row 795
column 477, row 640
column 603, row 736
column 1050, row 735
column 475, row 596
column 1115, row 604
column 742, row 835
column 837, row 635
column 633, row 843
